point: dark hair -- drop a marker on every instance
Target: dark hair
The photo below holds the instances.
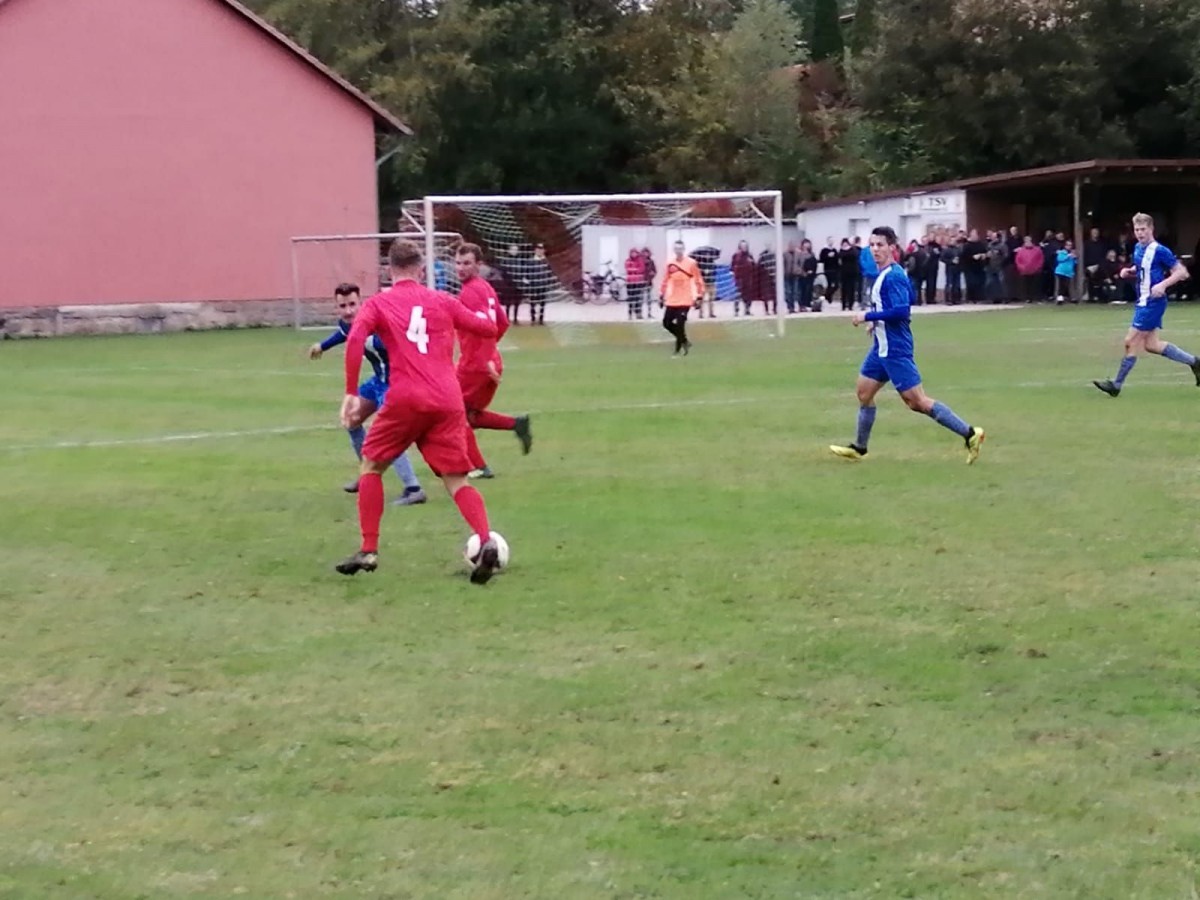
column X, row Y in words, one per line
column 471, row 249
column 404, row 254
column 888, row 234
column 345, row 289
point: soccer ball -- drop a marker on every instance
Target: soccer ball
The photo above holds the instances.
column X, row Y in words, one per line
column 472, row 549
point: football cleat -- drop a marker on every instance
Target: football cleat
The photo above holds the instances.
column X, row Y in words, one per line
column 974, row 443
column 359, row 562
column 849, row 452
column 1112, row 390
column 524, row 434
column 351, row 487
column 1195, row 367
column 485, row 472
column 486, row 563
column 411, row 498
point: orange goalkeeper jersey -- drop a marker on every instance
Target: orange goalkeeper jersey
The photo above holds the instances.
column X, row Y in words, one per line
column 681, row 283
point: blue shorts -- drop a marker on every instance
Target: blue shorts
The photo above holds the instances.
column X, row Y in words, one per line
column 373, row 389
column 901, row 371
column 1150, row 316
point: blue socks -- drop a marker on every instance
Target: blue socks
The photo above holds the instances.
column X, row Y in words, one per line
column 1126, row 367
column 866, row 421
column 357, row 436
column 405, row 470
column 402, row 466
column 1171, row 352
column 944, row 416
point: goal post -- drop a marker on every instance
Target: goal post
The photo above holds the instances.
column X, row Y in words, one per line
column 320, row 262
column 552, row 247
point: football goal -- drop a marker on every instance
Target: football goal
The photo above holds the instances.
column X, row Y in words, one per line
column 593, row 249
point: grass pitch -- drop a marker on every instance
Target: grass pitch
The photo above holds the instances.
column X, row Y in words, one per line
column 723, row 663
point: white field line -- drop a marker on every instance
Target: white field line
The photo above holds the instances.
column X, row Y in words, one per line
column 187, row 437
column 168, row 438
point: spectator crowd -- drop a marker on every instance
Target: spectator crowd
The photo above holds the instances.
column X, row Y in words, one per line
column 946, row 265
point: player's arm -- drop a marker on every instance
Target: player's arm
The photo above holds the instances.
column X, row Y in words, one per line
column 1179, row 273
column 360, row 331
column 316, row 350
column 476, row 323
column 698, row 278
column 502, row 321
column 896, row 306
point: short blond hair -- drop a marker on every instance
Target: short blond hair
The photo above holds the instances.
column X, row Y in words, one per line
column 1143, row 219
column 404, row 254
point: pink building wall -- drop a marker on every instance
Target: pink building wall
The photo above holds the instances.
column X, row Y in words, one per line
column 166, row 150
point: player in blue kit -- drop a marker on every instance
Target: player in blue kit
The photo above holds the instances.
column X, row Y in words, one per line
column 1157, row 271
column 891, row 355
column 372, row 390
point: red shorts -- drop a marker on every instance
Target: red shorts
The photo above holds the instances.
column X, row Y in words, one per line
column 440, row 435
column 478, row 388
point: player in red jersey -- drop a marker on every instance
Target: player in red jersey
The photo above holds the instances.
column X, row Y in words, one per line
column 424, row 404
column 480, row 365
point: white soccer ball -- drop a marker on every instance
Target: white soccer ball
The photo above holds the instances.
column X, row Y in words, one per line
column 472, row 549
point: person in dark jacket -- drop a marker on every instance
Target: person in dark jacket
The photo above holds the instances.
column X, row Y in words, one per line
column 850, row 273
column 831, row 269
column 974, row 263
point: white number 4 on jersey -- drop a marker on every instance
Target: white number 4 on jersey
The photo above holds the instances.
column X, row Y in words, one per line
column 418, row 330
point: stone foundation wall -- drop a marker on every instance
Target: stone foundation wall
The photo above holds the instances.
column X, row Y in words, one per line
column 152, row 318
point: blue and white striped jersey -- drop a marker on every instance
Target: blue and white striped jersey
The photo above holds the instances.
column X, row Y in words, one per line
column 373, row 352
column 891, row 303
column 1153, row 263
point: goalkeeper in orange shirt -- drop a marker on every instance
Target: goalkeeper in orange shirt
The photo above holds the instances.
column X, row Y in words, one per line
column 682, row 283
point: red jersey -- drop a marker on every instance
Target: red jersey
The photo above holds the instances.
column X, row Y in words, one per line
column 417, row 327
column 476, row 352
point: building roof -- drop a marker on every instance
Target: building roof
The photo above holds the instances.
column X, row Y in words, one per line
column 382, row 116
column 1043, row 175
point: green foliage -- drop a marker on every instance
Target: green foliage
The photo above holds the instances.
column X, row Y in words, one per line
column 864, row 30
column 826, row 41
column 675, row 94
column 985, row 89
column 760, row 97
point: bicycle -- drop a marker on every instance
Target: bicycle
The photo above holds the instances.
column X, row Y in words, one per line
column 601, row 288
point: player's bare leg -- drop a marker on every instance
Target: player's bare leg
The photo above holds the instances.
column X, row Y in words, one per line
column 472, row 508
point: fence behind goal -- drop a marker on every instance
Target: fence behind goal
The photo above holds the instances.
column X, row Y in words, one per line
column 572, row 249
column 321, row 262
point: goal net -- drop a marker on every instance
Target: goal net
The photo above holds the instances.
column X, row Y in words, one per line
column 322, row 262
column 587, row 253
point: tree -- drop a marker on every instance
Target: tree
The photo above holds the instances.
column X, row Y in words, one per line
column 825, row 42
column 760, row 98
column 863, row 31
column 1149, row 69
column 985, row 87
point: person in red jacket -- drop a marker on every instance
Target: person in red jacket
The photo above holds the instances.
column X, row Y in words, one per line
column 745, row 275
column 635, row 282
column 1029, row 262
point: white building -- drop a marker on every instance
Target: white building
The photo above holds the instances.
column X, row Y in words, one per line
column 911, row 214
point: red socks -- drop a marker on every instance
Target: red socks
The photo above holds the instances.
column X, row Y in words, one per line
column 470, row 504
column 473, row 452
column 370, row 510
column 494, row 421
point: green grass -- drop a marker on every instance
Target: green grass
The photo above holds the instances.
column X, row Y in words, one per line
column 723, row 664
